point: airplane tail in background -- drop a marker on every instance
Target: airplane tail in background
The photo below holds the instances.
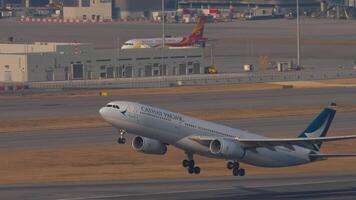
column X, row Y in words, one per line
column 196, row 37
column 320, row 126
column 198, row 30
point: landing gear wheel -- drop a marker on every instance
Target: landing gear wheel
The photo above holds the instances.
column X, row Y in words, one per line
column 230, row 165
column 190, row 170
column 235, row 171
column 121, row 140
column 197, row 170
column 242, row 172
column 191, row 163
column 185, row 163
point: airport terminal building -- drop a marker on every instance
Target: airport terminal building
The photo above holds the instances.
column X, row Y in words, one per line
column 42, row 61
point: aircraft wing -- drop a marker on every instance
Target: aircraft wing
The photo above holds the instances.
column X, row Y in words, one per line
column 331, row 155
column 289, row 142
column 270, row 143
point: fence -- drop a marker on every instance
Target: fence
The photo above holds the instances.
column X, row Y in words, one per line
column 203, row 79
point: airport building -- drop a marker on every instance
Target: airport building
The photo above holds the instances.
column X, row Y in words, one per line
column 97, row 10
column 139, row 8
column 42, row 61
column 239, row 3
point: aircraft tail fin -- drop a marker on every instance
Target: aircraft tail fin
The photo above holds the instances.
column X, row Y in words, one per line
column 319, row 127
column 198, row 30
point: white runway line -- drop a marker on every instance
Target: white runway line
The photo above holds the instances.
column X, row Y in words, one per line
column 204, row 190
column 144, row 194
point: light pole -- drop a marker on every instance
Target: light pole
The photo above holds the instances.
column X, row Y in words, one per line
column 298, row 35
column 163, row 25
column 163, row 38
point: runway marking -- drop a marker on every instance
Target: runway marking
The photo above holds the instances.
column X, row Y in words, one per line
column 202, row 190
column 297, row 184
column 144, row 194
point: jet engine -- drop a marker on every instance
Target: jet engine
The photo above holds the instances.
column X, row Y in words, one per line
column 148, row 146
column 227, row 149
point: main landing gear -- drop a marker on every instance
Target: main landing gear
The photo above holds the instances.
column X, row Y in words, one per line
column 122, row 138
column 190, row 165
column 235, row 167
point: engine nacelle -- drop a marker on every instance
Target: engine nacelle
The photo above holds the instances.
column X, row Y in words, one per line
column 148, row 146
column 227, row 149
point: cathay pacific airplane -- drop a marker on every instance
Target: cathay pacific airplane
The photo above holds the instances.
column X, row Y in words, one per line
column 155, row 129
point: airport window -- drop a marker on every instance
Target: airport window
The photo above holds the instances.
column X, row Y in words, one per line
column 103, row 60
column 124, row 59
column 85, row 3
column 156, row 58
column 103, row 75
column 143, row 58
column 197, row 56
column 102, row 67
column 178, row 57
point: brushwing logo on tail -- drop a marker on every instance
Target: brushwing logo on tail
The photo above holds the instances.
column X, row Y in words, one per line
column 318, row 132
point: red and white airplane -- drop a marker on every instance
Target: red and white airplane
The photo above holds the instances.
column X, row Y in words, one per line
column 195, row 38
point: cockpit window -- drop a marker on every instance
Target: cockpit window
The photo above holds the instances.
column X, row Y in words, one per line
column 113, row 106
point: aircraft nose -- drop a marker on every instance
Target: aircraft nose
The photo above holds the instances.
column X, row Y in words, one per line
column 102, row 111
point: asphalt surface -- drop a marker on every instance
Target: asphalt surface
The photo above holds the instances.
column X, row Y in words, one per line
column 68, row 138
column 326, row 44
column 290, row 126
column 83, row 106
column 317, row 186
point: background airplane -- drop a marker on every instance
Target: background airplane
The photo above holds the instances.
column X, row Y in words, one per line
column 156, row 128
column 195, row 38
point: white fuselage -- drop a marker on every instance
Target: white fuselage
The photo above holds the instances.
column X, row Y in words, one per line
column 176, row 129
column 149, row 42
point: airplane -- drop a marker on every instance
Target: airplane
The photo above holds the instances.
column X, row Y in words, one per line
column 156, row 128
column 195, row 38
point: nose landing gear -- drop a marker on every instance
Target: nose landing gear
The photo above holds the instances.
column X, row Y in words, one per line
column 235, row 167
column 122, row 138
column 190, row 165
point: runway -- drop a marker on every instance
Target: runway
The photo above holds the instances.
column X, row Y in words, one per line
column 83, row 153
column 83, row 106
column 288, row 126
column 86, row 137
column 312, row 186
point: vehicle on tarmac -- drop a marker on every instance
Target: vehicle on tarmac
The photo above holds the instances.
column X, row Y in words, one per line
column 156, row 128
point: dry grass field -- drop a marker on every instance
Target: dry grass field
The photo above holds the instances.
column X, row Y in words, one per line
column 120, row 162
